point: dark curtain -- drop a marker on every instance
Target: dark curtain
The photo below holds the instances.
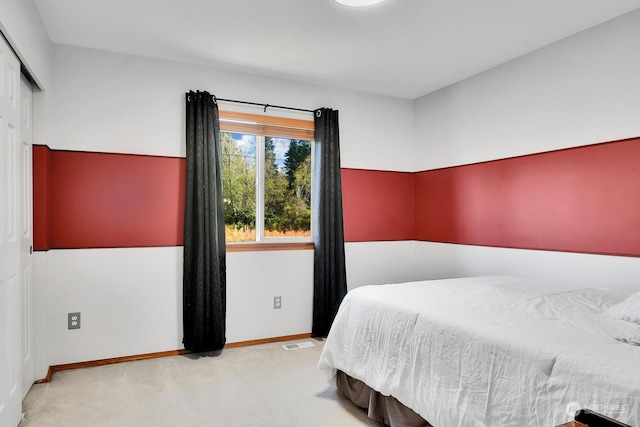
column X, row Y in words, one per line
column 330, row 277
column 204, row 280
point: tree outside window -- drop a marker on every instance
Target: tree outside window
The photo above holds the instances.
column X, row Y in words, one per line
column 266, row 186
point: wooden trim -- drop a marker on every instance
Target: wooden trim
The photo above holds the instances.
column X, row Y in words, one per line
column 255, row 124
column 101, row 362
column 113, row 360
column 267, row 120
column 47, row 378
column 276, row 131
column 268, row 340
column 147, row 356
column 261, row 246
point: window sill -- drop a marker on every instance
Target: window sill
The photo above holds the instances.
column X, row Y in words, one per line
column 268, row 246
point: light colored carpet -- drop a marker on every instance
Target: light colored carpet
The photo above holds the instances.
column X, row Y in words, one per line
column 262, row 385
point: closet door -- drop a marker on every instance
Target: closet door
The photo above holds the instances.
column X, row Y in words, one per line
column 10, row 239
column 26, row 233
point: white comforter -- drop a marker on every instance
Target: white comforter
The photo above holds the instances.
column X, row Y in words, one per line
column 488, row 351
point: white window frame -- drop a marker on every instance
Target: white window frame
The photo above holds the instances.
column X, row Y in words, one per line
column 232, row 122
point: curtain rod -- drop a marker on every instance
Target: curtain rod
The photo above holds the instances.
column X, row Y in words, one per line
column 263, row 105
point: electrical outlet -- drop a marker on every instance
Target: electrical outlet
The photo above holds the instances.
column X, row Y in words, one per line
column 73, row 320
column 277, row 303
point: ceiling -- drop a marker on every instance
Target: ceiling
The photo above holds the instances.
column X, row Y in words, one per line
column 402, row 48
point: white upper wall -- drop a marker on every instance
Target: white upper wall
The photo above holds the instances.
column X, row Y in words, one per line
column 582, row 90
column 126, row 104
column 21, row 24
column 579, row 91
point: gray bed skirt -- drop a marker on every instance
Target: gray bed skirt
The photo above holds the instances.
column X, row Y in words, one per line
column 386, row 409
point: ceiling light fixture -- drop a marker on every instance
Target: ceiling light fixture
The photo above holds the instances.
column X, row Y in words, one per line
column 359, row 3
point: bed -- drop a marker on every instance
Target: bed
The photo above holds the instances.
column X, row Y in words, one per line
column 490, row 351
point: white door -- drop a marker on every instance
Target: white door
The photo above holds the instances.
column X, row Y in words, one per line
column 10, row 239
column 26, row 213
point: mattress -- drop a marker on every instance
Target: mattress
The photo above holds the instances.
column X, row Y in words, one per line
column 488, row 351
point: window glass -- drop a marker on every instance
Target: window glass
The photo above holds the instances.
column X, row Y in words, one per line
column 239, row 186
column 266, row 186
column 287, row 189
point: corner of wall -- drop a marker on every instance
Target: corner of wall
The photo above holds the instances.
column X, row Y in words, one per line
column 23, row 28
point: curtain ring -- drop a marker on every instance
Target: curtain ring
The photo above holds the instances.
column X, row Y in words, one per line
column 318, row 113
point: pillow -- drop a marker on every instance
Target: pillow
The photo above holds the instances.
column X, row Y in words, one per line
column 628, row 309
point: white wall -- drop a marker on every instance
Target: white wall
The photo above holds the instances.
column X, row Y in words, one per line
column 376, row 263
column 569, row 269
column 130, row 299
column 579, row 91
column 21, row 24
column 119, row 103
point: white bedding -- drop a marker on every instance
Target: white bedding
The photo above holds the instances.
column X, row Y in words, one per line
column 488, row 351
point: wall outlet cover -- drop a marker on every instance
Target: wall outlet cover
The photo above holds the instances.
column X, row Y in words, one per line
column 73, row 320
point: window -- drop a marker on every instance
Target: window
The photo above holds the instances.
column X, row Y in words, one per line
column 266, row 177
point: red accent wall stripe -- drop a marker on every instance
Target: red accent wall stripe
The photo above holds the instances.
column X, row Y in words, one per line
column 41, row 167
column 576, row 200
column 99, row 200
column 377, row 205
